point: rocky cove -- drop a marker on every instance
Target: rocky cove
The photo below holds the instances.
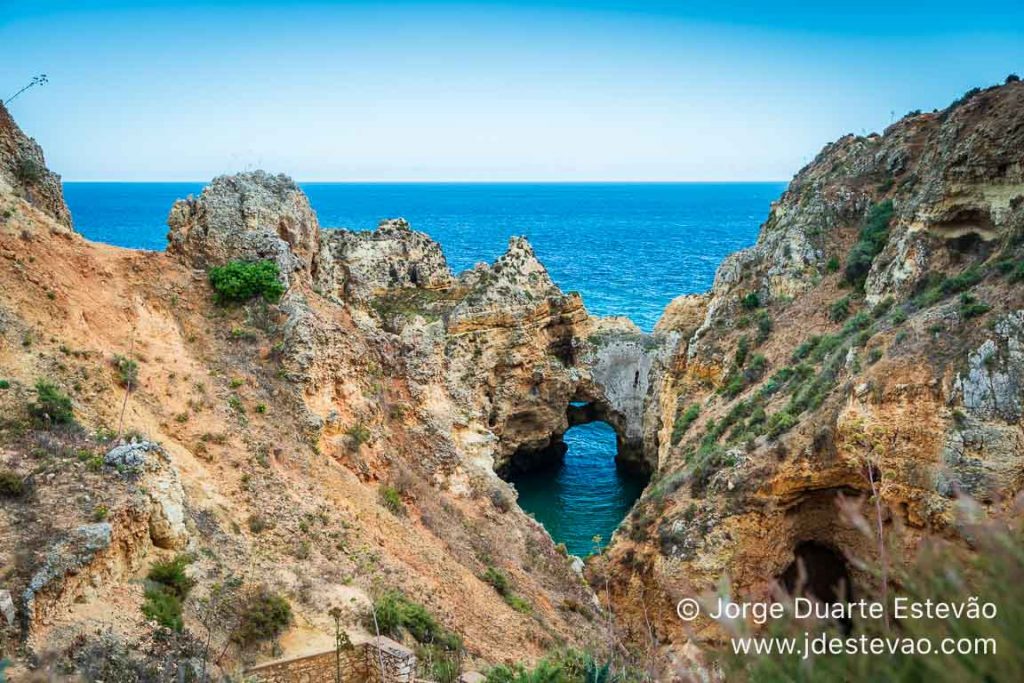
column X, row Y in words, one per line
column 350, row 440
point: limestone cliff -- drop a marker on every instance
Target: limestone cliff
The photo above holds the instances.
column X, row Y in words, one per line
column 316, row 448
column 349, row 439
column 23, row 171
column 869, row 340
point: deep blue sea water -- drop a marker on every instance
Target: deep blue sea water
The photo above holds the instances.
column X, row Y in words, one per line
column 628, row 248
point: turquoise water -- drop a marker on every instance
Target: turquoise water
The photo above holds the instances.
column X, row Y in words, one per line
column 628, row 248
column 587, row 496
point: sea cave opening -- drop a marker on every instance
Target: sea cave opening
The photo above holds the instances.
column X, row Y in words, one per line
column 820, row 572
column 578, row 487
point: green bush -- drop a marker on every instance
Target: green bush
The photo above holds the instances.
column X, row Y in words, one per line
column 497, row 580
column 263, row 615
column 163, row 608
column 391, row 499
column 51, row 406
column 751, row 301
column 742, row 349
column 1013, row 269
column 858, row 322
column 833, row 264
column 567, row 666
column 684, row 421
column 240, row 281
column 970, row 307
column 826, row 344
column 780, row 422
column 733, row 385
column 962, row 282
column 166, row 592
column 127, row 371
column 882, row 307
column 29, row 171
column 764, row 326
column 171, row 575
column 11, row 485
column 396, row 612
column 839, row 310
column 518, row 604
column 357, row 434
column 5, row 384
column 874, row 233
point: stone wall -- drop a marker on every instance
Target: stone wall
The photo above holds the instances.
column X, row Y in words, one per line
column 379, row 660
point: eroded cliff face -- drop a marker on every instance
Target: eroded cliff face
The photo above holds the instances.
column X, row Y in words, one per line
column 352, row 437
column 870, row 339
column 23, row 171
column 262, row 438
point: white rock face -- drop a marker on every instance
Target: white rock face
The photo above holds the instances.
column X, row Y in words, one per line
column 993, row 386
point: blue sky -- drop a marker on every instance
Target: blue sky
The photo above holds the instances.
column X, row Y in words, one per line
column 605, row 90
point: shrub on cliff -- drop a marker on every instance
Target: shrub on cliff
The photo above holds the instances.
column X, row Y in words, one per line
column 497, row 580
column 167, row 588
column 263, row 615
column 393, row 612
column 874, row 233
column 568, row 666
column 684, row 421
column 28, row 171
column 240, row 281
column 391, row 499
column 839, row 310
column 51, row 406
column 127, row 371
column 11, row 485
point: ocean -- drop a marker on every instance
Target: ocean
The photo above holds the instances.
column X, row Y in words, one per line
column 628, row 248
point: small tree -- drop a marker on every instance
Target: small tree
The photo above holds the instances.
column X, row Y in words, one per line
column 51, row 406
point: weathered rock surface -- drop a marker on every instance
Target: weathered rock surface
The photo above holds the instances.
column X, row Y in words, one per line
column 23, row 168
column 249, row 216
column 794, row 385
column 360, row 265
column 993, row 385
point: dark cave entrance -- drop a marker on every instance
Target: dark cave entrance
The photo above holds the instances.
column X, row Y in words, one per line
column 820, row 572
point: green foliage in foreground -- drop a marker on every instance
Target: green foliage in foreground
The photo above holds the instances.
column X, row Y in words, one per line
column 940, row 574
column 396, row 613
column 568, row 666
column 240, row 281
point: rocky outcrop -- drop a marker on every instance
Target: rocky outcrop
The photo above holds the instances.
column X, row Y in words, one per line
column 248, row 216
column 621, row 374
column 23, row 168
column 992, row 387
column 360, row 265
